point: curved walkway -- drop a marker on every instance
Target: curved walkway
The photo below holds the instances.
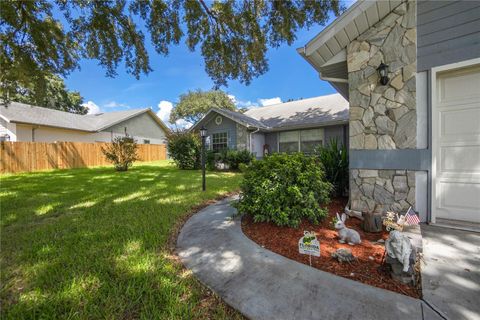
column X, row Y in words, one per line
column 264, row 285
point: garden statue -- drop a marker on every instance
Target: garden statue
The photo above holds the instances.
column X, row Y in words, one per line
column 343, row 255
column 345, row 234
column 398, row 246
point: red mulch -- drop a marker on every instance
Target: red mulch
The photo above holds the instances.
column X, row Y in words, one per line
column 284, row 241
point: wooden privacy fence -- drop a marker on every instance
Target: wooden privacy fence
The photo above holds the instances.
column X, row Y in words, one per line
column 35, row 156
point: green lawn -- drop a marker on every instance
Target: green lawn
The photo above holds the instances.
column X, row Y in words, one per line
column 92, row 243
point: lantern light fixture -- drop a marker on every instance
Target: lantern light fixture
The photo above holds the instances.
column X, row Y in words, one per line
column 383, row 73
column 203, row 131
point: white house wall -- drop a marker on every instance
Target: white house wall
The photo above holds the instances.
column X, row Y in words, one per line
column 9, row 129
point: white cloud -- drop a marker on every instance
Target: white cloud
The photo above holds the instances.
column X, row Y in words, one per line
column 114, row 104
column 232, row 97
column 92, row 107
column 165, row 108
column 269, row 101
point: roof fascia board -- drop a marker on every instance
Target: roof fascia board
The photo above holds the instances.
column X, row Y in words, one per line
column 201, row 120
column 236, row 120
column 307, row 126
column 341, row 22
column 219, row 111
column 5, row 118
column 339, row 57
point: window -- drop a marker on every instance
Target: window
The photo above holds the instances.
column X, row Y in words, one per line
column 145, row 141
column 310, row 140
column 219, row 141
column 304, row 140
column 288, row 141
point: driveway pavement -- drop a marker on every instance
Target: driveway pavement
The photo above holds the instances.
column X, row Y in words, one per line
column 264, row 285
column 451, row 272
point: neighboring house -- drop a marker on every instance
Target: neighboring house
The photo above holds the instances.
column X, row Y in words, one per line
column 22, row 122
column 416, row 140
column 287, row 127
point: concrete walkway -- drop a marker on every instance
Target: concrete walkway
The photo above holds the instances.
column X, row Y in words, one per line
column 264, row 285
column 451, row 272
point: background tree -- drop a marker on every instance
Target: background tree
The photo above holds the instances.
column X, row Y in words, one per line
column 194, row 104
column 233, row 35
column 49, row 93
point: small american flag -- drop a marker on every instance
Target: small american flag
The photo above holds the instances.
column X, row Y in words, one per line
column 412, row 217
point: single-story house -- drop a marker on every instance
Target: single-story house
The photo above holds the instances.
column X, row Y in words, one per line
column 23, row 122
column 414, row 135
column 293, row 126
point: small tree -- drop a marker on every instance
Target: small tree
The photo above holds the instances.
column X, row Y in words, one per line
column 122, row 152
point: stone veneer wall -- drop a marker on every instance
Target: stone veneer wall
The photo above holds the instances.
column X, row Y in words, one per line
column 382, row 190
column 242, row 137
column 383, row 117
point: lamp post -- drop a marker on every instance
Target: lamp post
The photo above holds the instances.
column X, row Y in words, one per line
column 203, row 134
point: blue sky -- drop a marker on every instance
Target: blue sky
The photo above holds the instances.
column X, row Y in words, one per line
column 289, row 77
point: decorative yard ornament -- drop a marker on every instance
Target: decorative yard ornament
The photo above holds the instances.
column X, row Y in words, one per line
column 411, row 217
column 343, row 255
column 383, row 73
column 393, row 222
column 345, row 234
column 308, row 244
column 398, row 246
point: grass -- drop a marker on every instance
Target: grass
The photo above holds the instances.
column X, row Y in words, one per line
column 93, row 243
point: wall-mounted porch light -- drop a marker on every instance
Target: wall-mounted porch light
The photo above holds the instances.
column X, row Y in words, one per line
column 383, row 73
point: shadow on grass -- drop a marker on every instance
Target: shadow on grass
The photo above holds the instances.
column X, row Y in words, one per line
column 90, row 243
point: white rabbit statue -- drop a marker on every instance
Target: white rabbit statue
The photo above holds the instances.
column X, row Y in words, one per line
column 345, row 234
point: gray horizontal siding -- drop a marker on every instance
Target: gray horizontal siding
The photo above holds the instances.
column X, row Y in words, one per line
column 447, row 32
column 227, row 125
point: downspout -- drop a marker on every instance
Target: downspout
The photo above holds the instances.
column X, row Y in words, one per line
column 33, row 132
column 251, row 133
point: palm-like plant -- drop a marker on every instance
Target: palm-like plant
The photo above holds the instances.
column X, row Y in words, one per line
column 334, row 158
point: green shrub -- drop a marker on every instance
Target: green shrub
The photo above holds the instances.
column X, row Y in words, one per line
column 184, row 148
column 334, row 158
column 232, row 158
column 284, row 189
column 122, row 152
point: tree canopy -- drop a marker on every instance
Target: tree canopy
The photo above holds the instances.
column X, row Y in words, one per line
column 193, row 105
column 50, row 37
column 50, row 92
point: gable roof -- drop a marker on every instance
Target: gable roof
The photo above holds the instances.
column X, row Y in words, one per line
column 16, row 112
column 311, row 112
column 322, row 110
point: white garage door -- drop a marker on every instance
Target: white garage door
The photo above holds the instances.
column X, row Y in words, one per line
column 456, row 145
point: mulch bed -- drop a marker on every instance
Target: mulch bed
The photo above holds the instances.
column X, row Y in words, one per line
column 367, row 269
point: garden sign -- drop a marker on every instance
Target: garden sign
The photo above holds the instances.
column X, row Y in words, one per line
column 308, row 244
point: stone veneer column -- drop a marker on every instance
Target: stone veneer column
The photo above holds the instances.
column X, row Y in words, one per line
column 383, row 117
column 242, row 137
